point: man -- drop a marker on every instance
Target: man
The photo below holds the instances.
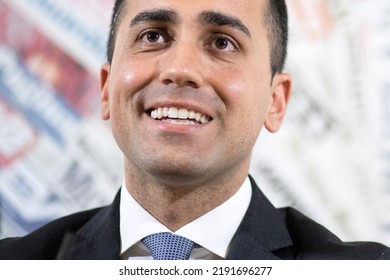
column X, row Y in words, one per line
column 188, row 86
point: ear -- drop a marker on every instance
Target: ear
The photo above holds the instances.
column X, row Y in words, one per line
column 104, row 90
column 281, row 91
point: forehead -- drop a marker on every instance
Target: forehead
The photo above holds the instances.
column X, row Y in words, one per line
column 250, row 12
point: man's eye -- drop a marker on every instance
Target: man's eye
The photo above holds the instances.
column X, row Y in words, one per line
column 224, row 44
column 154, row 37
column 221, row 43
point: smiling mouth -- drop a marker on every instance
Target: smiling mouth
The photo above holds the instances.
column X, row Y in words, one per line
column 179, row 116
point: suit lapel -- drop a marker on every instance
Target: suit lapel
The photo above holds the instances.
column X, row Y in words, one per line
column 98, row 239
column 261, row 235
column 262, row 232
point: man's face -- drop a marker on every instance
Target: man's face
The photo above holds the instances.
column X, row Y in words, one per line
column 189, row 88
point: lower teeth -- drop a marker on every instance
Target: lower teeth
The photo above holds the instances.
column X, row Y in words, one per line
column 178, row 121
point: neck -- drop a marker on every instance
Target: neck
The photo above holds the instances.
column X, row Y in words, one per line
column 175, row 205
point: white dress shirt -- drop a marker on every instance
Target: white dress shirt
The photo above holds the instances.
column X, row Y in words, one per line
column 213, row 231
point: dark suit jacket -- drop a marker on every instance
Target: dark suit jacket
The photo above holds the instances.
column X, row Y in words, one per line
column 265, row 233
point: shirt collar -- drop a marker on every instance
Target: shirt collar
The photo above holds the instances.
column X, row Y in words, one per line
column 213, row 231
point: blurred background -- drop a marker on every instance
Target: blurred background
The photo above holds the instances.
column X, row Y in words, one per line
column 330, row 160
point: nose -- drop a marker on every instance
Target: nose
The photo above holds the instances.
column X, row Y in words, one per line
column 182, row 66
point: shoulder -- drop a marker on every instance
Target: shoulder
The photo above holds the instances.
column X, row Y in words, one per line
column 313, row 241
column 302, row 237
column 45, row 241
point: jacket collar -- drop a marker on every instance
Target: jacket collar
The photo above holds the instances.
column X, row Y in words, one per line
column 261, row 235
column 98, row 239
column 263, row 231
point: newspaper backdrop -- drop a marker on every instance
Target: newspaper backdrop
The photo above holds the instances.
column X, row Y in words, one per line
column 330, row 160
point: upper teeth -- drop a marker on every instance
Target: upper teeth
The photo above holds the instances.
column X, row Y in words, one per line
column 181, row 114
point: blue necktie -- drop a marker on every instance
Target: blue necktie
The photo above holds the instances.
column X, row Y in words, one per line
column 168, row 246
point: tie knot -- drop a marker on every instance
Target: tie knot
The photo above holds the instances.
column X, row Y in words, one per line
column 168, row 246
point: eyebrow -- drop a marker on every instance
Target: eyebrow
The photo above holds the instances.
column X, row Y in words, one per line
column 159, row 15
column 219, row 19
column 205, row 18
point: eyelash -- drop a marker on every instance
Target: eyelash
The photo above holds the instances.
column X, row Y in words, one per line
column 211, row 43
column 159, row 32
column 229, row 40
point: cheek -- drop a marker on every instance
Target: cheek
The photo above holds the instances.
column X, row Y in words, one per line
column 130, row 78
column 247, row 96
column 242, row 90
column 232, row 86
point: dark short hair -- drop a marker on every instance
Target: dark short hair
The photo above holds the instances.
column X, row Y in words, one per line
column 275, row 20
column 117, row 15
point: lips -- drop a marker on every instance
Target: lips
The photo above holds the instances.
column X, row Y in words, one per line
column 179, row 116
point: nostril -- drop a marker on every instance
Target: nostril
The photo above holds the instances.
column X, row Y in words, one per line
column 167, row 82
column 191, row 84
column 181, row 76
column 180, row 83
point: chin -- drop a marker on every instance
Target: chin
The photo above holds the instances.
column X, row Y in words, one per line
column 178, row 175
